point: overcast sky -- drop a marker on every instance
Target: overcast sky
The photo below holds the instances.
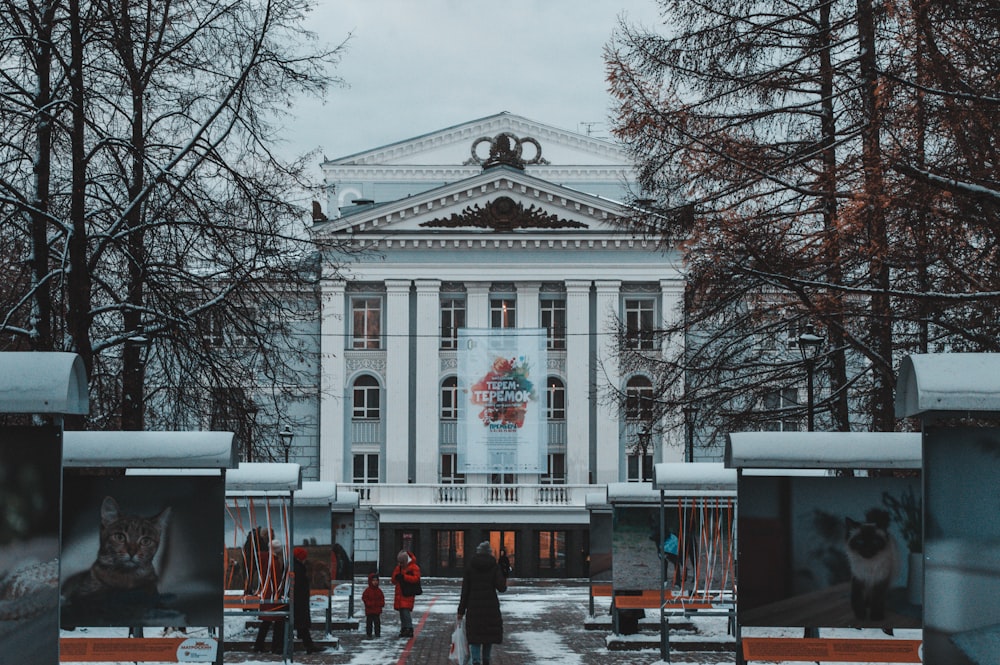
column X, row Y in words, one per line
column 415, row 66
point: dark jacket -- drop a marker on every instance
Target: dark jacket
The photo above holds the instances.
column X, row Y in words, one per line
column 479, row 603
column 301, row 595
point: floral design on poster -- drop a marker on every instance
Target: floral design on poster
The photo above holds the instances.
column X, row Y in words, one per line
column 504, row 393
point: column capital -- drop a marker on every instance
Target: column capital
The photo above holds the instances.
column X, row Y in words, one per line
column 397, row 285
column 424, row 285
column 577, row 285
column 607, row 285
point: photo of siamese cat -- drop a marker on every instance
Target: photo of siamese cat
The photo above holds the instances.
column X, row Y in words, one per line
column 874, row 561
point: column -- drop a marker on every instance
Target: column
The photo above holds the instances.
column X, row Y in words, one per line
column 578, row 382
column 673, row 444
column 397, row 407
column 477, row 304
column 477, row 315
column 528, row 315
column 428, row 380
column 609, row 448
column 332, row 424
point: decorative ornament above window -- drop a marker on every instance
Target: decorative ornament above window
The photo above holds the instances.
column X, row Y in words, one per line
column 506, row 149
column 504, row 214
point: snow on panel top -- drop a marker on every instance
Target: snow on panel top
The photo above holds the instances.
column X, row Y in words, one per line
column 161, row 450
column 346, row 500
column 316, row 493
column 597, row 500
column 948, row 382
column 632, row 493
column 824, row 450
column 687, row 477
column 263, row 477
column 42, row 382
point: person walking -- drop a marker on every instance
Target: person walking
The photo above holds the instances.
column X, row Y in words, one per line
column 300, row 605
column 374, row 601
column 480, row 605
column 405, row 576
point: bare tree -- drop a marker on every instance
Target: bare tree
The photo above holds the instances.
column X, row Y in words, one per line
column 172, row 212
column 767, row 147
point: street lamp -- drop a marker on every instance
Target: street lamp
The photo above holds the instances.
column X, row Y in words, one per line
column 810, row 345
column 690, row 413
column 286, row 436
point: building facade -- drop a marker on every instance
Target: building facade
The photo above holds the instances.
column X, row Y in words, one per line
column 500, row 222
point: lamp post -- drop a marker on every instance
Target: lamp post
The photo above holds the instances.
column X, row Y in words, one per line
column 690, row 413
column 809, row 346
column 286, row 436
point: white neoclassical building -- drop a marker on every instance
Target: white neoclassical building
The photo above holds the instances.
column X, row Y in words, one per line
column 500, row 222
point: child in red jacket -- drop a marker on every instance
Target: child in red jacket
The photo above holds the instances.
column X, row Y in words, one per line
column 374, row 601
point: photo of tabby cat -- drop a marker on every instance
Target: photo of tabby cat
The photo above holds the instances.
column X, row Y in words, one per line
column 874, row 561
column 122, row 581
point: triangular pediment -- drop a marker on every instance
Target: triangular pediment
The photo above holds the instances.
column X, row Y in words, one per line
column 453, row 146
column 498, row 200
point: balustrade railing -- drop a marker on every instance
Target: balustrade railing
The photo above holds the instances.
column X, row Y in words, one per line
column 385, row 494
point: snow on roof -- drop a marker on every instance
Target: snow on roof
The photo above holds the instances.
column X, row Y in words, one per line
column 162, row 450
column 948, row 382
column 259, row 478
column 685, row 477
column 824, row 450
column 316, row 493
column 42, row 382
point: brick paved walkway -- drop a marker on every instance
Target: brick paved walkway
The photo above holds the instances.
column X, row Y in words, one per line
column 544, row 622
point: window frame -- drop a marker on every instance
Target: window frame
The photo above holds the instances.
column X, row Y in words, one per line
column 366, row 477
column 451, row 309
column 640, row 317
column 366, row 411
column 362, row 315
column 552, row 314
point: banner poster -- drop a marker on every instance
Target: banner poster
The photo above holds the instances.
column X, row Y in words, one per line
column 828, row 551
column 143, row 550
column 30, row 463
column 502, row 424
column 962, row 545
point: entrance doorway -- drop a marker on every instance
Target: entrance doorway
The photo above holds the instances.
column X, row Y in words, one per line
column 506, row 541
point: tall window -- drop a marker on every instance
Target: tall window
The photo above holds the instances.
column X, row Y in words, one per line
column 554, row 322
column 640, row 467
column 366, row 316
column 555, row 473
column 366, row 468
column 639, row 416
column 367, row 398
column 450, row 549
column 639, row 323
column 503, row 313
column 775, row 401
column 639, row 399
column 552, row 550
column 449, row 398
column 555, row 400
column 449, row 470
column 452, row 318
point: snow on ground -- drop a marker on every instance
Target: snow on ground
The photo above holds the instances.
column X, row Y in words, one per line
column 539, row 640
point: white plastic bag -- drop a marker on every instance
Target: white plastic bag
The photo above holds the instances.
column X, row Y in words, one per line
column 459, row 653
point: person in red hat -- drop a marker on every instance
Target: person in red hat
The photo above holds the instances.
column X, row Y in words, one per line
column 300, row 599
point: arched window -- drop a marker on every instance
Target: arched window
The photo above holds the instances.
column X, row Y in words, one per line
column 556, row 399
column 639, row 399
column 367, row 398
column 449, row 398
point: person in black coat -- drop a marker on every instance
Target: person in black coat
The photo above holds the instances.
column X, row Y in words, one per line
column 479, row 603
column 300, row 600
